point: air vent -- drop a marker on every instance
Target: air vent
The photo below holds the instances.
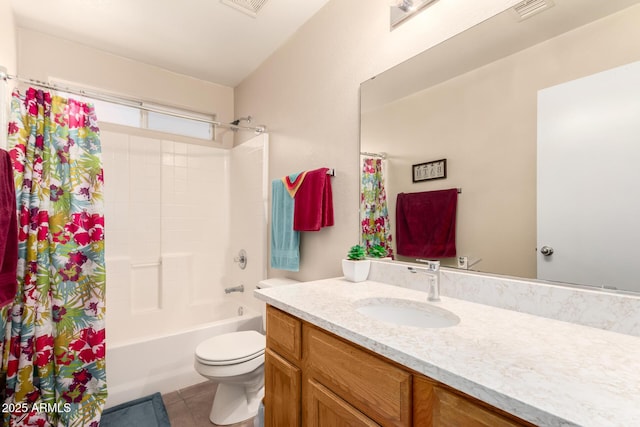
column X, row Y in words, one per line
column 250, row 7
column 528, row 8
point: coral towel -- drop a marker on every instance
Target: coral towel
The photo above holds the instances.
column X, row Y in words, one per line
column 293, row 182
column 426, row 223
column 313, row 207
column 8, row 231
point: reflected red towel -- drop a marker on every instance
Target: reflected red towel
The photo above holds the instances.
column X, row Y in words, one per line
column 426, row 223
column 313, row 206
column 8, row 231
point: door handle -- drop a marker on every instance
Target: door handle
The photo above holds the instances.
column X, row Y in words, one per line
column 546, row 250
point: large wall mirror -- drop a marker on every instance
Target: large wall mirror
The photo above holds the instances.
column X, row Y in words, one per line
column 518, row 108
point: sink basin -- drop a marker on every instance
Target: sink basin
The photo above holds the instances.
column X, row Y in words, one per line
column 407, row 313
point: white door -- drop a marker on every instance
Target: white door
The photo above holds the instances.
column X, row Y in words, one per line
column 589, row 179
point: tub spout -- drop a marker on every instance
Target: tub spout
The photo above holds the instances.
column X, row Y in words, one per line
column 239, row 288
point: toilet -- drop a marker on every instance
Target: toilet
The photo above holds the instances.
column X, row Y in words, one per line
column 236, row 362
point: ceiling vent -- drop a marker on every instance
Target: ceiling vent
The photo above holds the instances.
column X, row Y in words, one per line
column 528, row 8
column 250, row 7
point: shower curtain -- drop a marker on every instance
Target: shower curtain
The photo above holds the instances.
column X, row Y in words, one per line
column 52, row 337
column 376, row 229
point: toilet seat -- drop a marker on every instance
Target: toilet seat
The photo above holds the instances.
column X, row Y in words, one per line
column 232, row 348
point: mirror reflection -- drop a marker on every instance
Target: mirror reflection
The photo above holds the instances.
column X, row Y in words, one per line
column 483, row 100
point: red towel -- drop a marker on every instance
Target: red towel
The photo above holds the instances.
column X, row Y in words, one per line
column 8, row 232
column 426, row 223
column 313, row 204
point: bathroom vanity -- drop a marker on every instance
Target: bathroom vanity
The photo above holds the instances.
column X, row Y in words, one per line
column 329, row 364
column 315, row 378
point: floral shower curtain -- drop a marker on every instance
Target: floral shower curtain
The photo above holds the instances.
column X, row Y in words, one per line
column 52, row 338
column 376, row 229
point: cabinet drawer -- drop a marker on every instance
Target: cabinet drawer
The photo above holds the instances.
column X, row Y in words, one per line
column 437, row 405
column 454, row 410
column 326, row 409
column 373, row 386
column 284, row 334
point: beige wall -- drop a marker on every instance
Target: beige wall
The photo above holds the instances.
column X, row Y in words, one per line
column 43, row 57
column 7, row 60
column 307, row 93
column 7, row 37
column 484, row 124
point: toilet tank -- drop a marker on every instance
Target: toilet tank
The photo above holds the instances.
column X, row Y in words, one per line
column 270, row 283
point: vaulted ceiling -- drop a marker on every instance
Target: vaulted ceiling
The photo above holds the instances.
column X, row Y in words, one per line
column 205, row 39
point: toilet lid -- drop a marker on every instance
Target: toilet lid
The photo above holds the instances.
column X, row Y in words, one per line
column 234, row 347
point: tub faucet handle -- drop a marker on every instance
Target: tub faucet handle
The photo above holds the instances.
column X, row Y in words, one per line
column 241, row 259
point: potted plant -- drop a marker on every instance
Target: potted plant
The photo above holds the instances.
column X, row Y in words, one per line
column 378, row 252
column 356, row 267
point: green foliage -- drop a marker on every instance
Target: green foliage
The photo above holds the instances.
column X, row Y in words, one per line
column 377, row 251
column 356, row 253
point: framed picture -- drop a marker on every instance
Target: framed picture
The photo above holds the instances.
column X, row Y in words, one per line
column 436, row 169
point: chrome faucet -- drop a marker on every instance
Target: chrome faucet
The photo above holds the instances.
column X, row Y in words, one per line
column 239, row 288
column 433, row 271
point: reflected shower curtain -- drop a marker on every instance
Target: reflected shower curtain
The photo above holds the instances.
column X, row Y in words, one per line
column 52, row 338
column 374, row 217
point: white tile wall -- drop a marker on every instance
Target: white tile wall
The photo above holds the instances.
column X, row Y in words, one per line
column 145, row 292
column 168, row 232
column 249, row 197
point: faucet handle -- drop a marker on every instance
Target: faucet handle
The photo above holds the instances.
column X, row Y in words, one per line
column 431, row 265
column 241, row 259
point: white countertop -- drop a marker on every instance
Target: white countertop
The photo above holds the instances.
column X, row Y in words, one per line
column 548, row 372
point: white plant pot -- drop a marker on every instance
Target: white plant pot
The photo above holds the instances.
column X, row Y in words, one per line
column 356, row 271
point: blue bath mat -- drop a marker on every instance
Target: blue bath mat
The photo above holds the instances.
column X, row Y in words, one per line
column 147, row 411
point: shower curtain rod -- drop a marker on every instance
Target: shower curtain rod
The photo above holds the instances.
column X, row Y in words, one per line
column 129, row 102
column 378, row 155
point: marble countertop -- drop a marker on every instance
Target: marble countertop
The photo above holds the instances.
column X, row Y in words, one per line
column 548, row 372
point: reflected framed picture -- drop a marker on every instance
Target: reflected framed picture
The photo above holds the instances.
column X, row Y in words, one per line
column 436, row 169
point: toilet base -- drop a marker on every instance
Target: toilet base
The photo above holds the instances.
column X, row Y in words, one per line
column 234, row 403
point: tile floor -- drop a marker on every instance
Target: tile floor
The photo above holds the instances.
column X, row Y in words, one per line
column 190, row 406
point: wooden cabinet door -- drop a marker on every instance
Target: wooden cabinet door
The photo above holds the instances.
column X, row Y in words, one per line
column 282, row 397
column 367, row 382
column 325, row 409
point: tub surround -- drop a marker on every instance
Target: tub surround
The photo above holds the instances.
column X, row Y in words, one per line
column 545, row 371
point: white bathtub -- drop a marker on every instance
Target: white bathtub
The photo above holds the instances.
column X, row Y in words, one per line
column 165, row 363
